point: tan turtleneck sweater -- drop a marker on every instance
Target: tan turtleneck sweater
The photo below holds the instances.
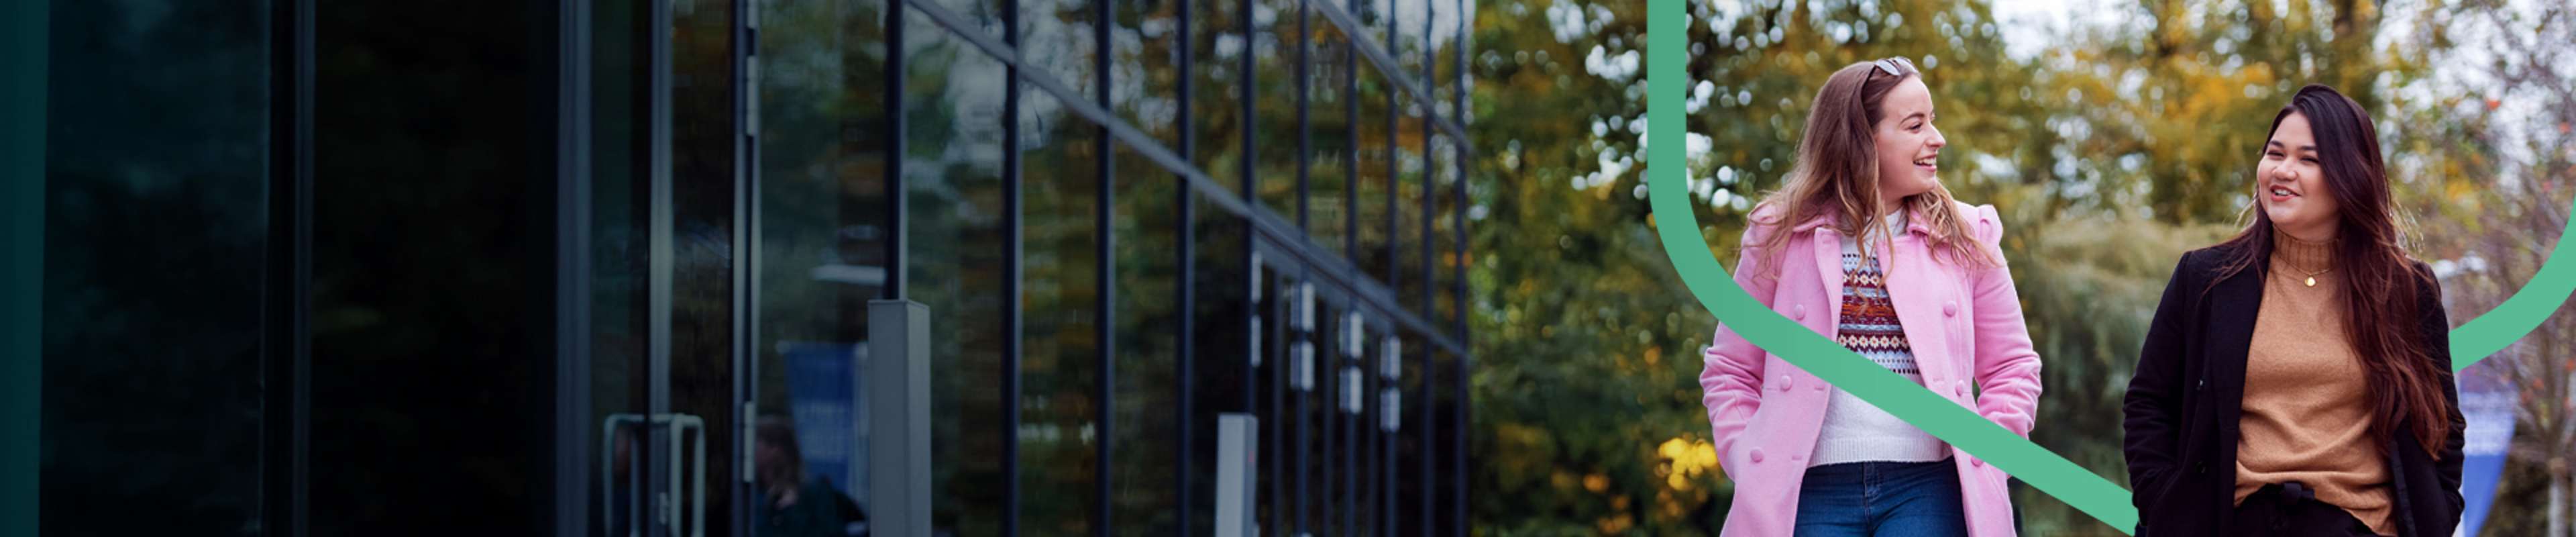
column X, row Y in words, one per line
column 2307, row 408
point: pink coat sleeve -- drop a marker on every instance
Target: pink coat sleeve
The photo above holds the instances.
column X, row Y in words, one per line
column 2007, row 367
column 1730, row 379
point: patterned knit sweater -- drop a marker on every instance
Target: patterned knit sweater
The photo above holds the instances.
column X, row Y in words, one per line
column 1854, row 430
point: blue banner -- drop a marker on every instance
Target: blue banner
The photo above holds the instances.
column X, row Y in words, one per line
column 2488, row 403
column 823, row 400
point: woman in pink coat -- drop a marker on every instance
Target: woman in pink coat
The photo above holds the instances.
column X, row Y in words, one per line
column 1864, row 245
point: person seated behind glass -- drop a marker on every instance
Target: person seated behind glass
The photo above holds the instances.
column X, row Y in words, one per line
column 794, row 503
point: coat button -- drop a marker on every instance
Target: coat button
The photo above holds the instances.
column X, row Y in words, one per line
column 1950, row 308
column 1756, row 455
column 1800, row 311
column 1785, row 382
column 1976, row 462
column 1960, row 388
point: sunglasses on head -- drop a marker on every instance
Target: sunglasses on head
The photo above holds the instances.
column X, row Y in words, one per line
column 1893, row 66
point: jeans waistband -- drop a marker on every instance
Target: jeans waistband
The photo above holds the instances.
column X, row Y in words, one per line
column 1859, row 469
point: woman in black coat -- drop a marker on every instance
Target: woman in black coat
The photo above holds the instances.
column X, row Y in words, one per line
column 2296, row 378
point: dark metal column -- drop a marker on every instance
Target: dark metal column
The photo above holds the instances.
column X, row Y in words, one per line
column 1105, row 273
column 1013, row 268
column 1186, row 445
column 286, row 338
column 572, row 270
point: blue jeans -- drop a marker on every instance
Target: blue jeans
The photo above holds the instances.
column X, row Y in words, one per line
column 1882, row 499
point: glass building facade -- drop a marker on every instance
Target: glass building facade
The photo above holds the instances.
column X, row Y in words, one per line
column 586, row 267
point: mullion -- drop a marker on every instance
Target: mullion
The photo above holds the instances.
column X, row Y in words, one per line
column 572, row 269
column 1355, row 430
column 1462, row 364
column 286, row 348
column 1349, row 65
column 1388, row 437
column 1457, row 438
column 1013, row 268
column 1394, row 182
column 898, row 147
column 1460, row 229
column 1247, row 92
column 1305, row 78
column 746, row 235
column 1277, row 417
column 1105, row 276
column 660, row 265
column 1336, row 422
column 1328, row 373
column 1300, row 360
column 1430, row 264
column 1189, row 279
column 1370, row 421
column 1430, row 459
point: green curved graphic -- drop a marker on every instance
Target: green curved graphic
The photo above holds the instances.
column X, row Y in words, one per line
column 1678, row 227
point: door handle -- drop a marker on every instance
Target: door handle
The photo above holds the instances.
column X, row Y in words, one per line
column 678, row 426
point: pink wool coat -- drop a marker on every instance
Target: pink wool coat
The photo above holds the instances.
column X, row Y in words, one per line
column 1966, row 330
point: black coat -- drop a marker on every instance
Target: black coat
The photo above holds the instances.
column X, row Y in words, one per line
column 2188, row 392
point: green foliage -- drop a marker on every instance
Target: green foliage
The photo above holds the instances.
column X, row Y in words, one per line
column 2110, row 151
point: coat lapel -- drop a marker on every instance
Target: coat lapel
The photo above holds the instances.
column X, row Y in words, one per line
column 2234, row 305
column 1829, row 270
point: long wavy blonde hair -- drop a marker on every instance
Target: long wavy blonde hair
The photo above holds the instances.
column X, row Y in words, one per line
column 1836, row 172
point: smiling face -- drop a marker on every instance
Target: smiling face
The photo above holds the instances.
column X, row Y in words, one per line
column 1909, row 147
column 2290, row 185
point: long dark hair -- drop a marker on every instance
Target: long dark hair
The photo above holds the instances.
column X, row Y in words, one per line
column 2380, row 281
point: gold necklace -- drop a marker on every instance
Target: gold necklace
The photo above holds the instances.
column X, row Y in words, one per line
column 2312, row 276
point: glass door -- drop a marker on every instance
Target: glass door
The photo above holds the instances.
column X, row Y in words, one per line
column 664, row 192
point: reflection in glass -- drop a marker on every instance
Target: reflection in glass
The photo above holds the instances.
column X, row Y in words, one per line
column 790, row 500
column 983, row 16
column 1405, row 247
column 823, row 127
column 432, row 314
column 1375, row 166
column 1218, row 91
column 1059, row 372
column 1449, row 53
column 1329, row 136
column 702, row 219
column 1424, row 282
column 1373, row 16
column 1057, row 39
column 1275, row 107
column 1448, row 438
column 156, row 144
column 1405, row 36
column 1144, row 76
column 1448, row 259
column 620, row 200
column 1410, row 452
column 1222, row 345
column 1143, row 453
column 953, row 173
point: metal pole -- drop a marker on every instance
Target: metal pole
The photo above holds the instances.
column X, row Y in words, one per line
column 898, row 392
column 286, row 343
